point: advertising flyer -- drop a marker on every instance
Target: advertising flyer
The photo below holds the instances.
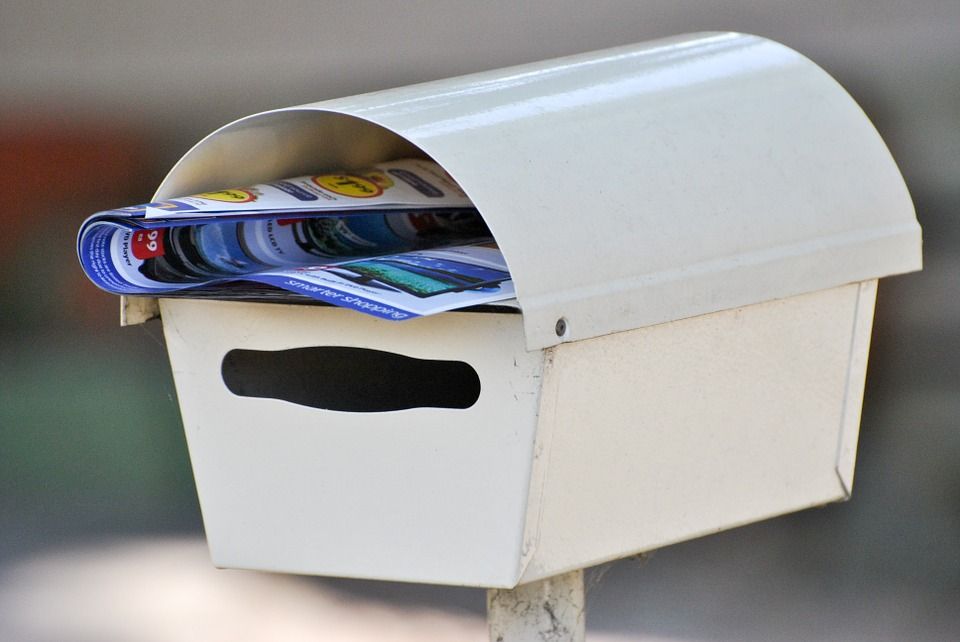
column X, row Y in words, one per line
column 412, row 251
column 401, row 184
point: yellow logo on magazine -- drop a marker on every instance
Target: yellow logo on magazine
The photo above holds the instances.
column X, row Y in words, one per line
column 348, row 185
column 230, row 196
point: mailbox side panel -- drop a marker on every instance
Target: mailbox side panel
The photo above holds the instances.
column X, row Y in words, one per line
column 674, row 431
column 426, row 494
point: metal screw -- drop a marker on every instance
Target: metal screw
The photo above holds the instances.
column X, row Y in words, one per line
column 561, row 327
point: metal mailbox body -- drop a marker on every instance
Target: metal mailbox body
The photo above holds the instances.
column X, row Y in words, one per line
column 707, row 215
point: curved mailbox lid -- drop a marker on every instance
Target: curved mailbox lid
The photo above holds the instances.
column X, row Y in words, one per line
column 626, row 187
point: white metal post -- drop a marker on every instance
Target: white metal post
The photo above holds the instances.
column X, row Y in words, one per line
column 551, row 610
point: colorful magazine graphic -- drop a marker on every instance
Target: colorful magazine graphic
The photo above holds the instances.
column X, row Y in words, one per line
column 387, row 260
column 419, row 275
column 403, row 286
column 401, row 184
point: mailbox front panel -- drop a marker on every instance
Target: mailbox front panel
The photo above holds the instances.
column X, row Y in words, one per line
column 427, row 494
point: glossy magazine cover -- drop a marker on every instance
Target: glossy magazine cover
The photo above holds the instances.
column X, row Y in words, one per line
column 385, row 253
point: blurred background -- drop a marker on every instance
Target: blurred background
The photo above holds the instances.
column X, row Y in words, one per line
column 100, row 532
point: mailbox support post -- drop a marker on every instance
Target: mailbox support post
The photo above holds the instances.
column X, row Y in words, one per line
column 551, row 610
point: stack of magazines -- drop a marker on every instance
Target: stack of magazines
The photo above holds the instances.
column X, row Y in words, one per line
column 396, row 240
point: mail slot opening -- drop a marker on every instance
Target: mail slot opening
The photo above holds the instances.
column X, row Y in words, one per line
column 349, row 379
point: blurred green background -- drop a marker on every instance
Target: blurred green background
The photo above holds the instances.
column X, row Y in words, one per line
column 99, row 99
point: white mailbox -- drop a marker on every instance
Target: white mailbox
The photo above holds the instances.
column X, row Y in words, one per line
column 695, row 228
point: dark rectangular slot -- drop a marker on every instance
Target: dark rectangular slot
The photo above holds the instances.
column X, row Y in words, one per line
column 350, row 379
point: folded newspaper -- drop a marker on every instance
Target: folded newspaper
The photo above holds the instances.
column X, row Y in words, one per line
column 397, row 240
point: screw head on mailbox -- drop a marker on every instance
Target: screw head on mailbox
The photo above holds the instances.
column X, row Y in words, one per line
column 688, row 350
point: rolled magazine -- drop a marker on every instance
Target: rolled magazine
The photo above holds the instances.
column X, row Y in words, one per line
column 396, row 240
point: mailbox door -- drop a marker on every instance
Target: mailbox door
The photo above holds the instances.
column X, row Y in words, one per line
column 427, row 494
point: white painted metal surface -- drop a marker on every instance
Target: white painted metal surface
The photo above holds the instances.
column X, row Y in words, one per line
column 660, row 181
column 426, row 494
column 675, row 431
column 582, row 453
column 708, row 214
column 551, row 610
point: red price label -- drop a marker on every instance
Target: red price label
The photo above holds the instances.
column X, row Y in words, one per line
column 147, row 244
